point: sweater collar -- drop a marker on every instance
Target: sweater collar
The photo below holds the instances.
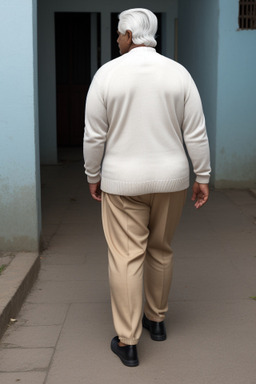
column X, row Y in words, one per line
column 142, row 49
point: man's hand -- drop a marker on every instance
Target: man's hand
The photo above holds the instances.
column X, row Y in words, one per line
column 200, row 194
column 95, row 191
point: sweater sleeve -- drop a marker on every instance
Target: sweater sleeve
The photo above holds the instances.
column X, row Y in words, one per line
column 95, row 132
column 194, row 133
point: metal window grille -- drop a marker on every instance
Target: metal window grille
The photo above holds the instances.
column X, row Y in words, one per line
column 247, row 14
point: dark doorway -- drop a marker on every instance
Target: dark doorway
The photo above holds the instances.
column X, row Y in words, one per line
column 73, row 75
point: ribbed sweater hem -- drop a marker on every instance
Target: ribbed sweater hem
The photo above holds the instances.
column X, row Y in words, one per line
column 125, row 188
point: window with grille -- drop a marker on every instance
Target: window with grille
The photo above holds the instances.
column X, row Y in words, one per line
column 247, row 14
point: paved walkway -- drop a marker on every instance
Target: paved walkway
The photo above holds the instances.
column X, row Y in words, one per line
column 63, row 332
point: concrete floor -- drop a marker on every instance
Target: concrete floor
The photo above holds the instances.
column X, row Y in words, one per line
column 63, row 332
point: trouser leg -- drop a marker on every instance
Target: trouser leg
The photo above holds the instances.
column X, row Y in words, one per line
column 125, row 223
column 165, row 214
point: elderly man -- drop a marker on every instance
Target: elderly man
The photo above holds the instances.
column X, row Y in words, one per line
column 141, row 108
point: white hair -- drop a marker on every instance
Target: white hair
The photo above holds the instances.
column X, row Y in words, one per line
column 142, row 23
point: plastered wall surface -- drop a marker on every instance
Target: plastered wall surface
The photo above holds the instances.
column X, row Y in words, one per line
column 236, row 106
column 19, row 175
column 221, row 59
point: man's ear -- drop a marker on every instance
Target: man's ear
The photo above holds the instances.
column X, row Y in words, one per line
column 129, row 36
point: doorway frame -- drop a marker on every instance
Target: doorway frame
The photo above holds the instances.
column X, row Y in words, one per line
column 46, row 54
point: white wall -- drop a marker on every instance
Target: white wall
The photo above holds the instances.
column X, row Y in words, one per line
column 20, row 221
column 47, row 88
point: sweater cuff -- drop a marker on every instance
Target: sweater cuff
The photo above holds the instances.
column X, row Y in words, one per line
column 203, row 179
column 93, row 179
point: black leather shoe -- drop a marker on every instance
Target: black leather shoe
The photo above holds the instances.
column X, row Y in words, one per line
column 127, row 354
column 156, row 329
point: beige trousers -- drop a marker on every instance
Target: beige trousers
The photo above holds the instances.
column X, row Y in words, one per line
column 138, row 231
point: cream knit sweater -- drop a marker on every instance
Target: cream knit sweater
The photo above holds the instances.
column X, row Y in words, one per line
column 139, row 109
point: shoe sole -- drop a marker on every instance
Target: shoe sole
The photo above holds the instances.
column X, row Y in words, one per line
column 153, row 337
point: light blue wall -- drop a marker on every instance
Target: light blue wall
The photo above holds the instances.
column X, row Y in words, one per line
column 222, row 61
column 236, row 102
column 19, row 166
column 198, row 52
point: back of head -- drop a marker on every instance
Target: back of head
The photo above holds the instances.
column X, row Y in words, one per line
column 142, row 23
